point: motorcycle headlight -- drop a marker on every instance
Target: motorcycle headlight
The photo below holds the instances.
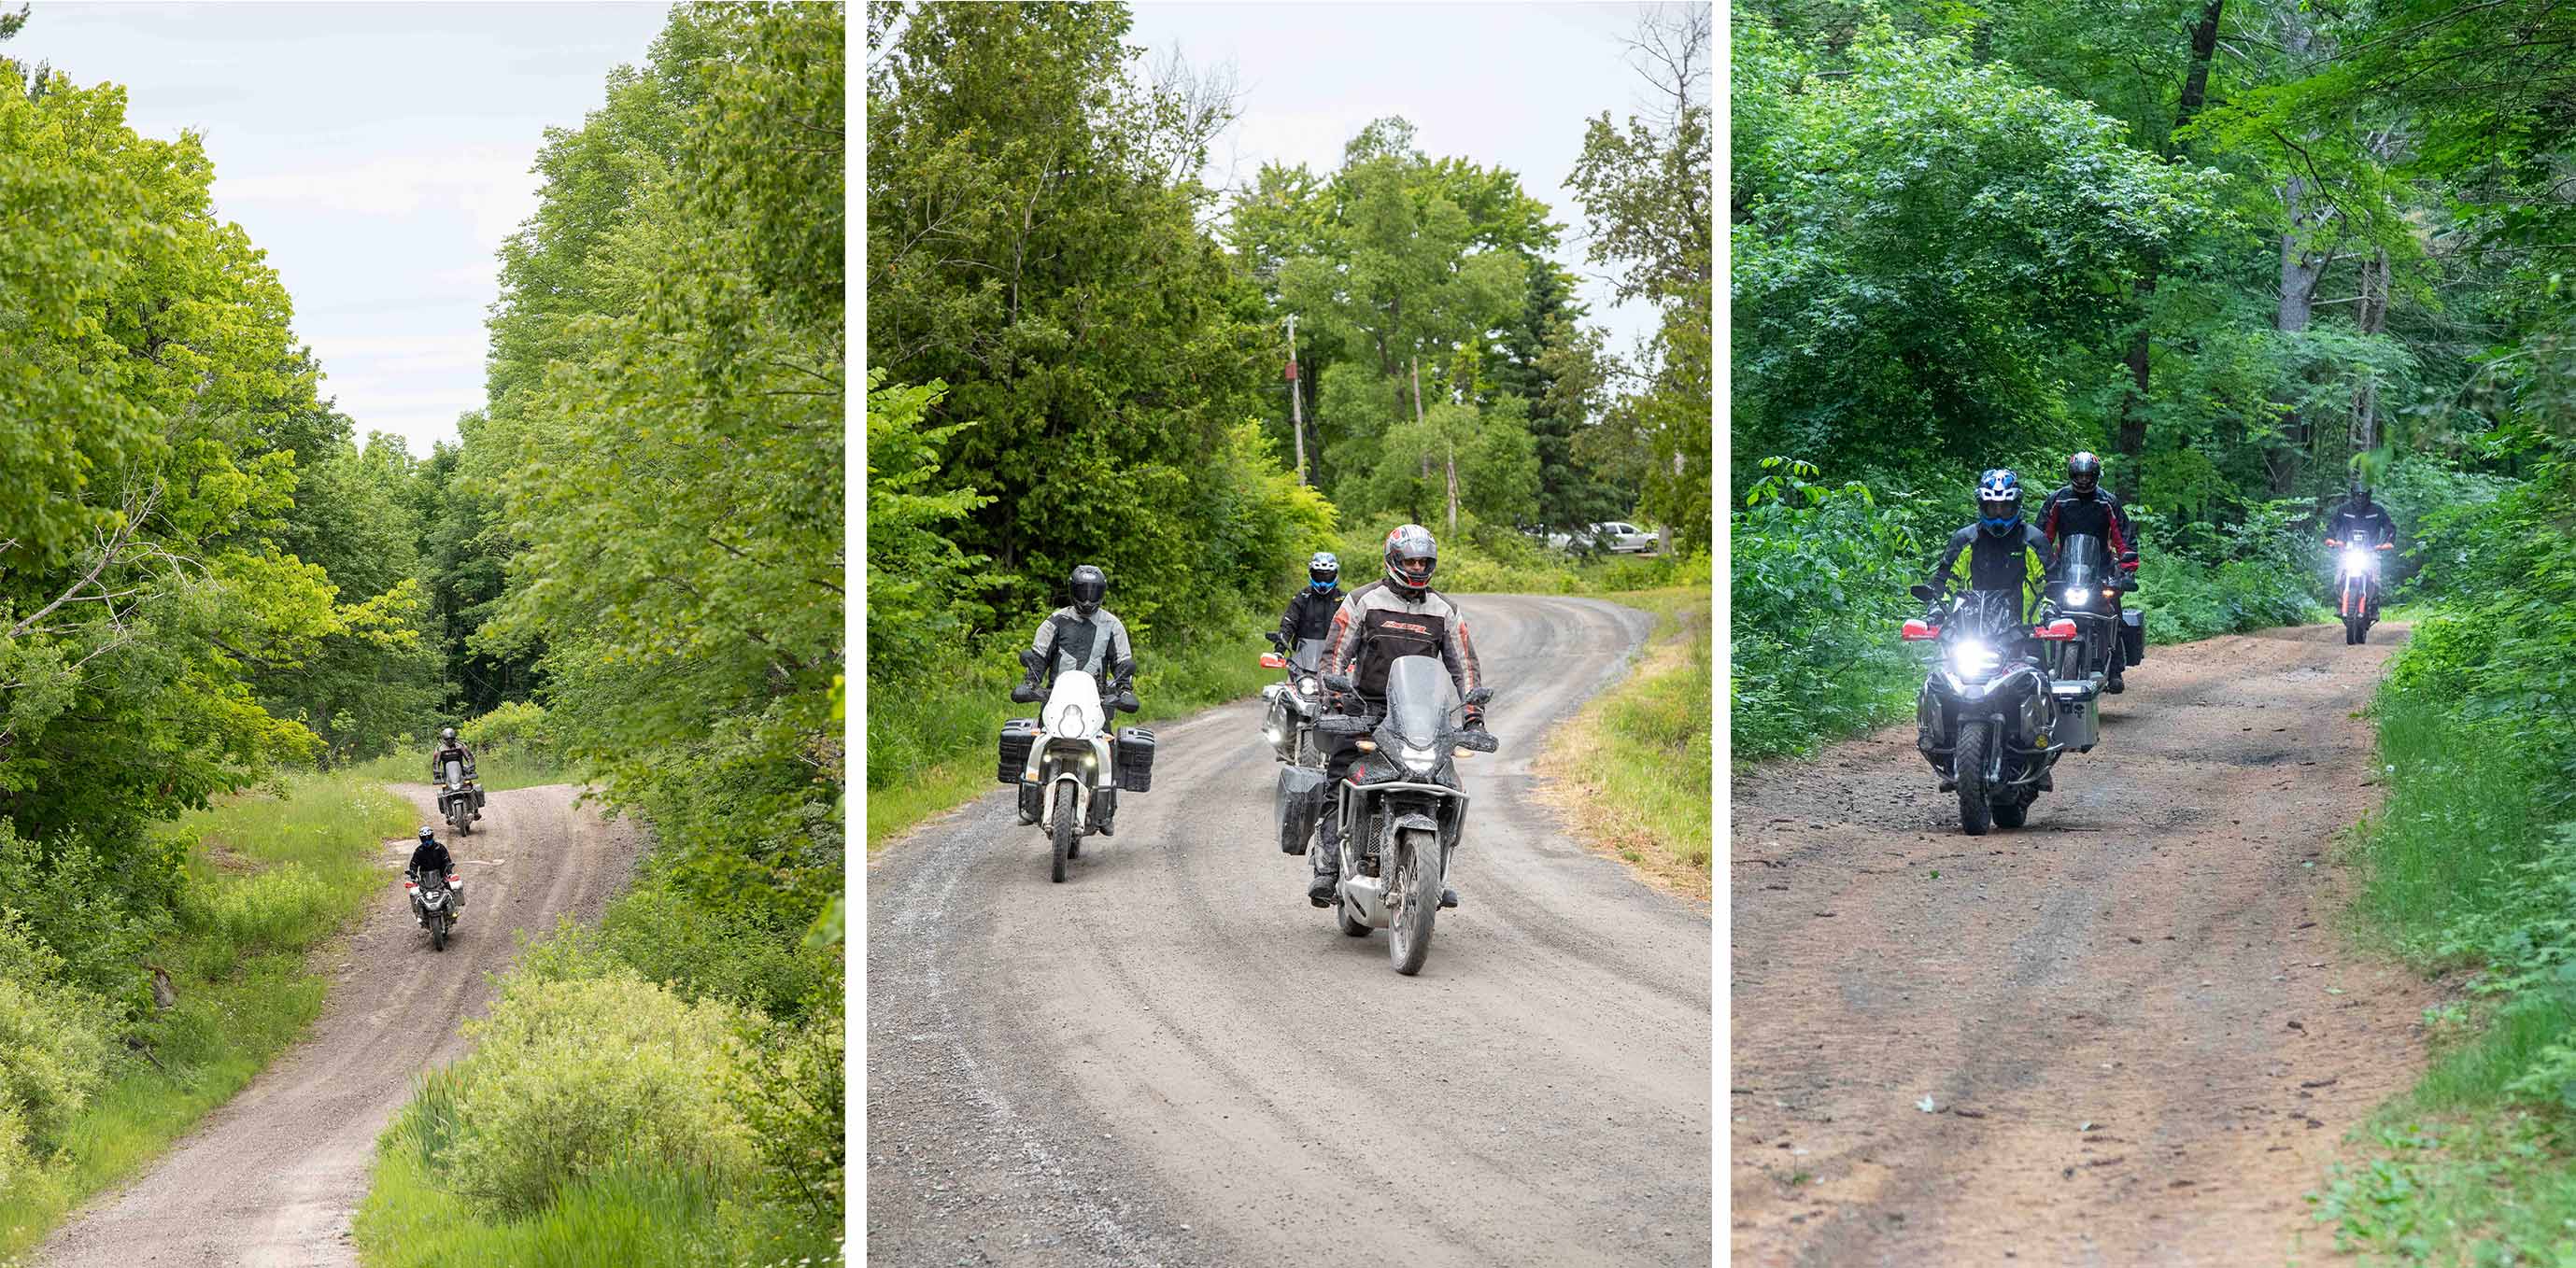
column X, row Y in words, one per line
column 1306, row 686
column 1420, row 759
column 2357, row 560
column 1971, row 658
column 2076, row 596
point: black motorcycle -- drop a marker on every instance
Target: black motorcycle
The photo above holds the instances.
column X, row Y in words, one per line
column 1990, row 719
column 435, row 900
column 1290, row 710
column 2357, row 586
column 1402, row 808
column 2087, row 589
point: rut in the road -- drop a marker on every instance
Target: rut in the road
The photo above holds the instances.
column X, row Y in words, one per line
column 273, row 1179
column 2137, row 1027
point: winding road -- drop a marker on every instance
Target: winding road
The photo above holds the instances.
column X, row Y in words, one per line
column 2130, row 1033
column 274, row 1177
column 1172, row 1059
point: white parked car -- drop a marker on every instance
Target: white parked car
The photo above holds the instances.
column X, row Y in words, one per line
column 1615, row 536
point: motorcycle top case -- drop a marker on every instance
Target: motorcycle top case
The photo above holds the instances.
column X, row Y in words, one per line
column 2133, row 635
column 1135, row 758
column 1017, row 735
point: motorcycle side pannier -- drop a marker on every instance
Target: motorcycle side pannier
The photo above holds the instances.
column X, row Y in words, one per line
column 2133, row 635
column 1135, row 759
column 1017, row 735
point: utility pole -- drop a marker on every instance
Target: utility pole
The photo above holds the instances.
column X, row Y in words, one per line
column 1296, row 409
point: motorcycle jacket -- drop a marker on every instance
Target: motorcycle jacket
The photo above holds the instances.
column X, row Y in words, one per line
column 2097, row 515
column 2360, row 525
column 1069, row 642
column 430, row 856
column 2010, row 561
column 1310, row 615
column 1377, row 625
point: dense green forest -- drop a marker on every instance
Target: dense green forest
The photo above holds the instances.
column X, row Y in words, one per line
column 1075, row 352
column 214, row 597
column 2242, row 249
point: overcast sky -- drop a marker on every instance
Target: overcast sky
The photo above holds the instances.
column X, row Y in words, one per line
column 378, row 152
column 1503, row 85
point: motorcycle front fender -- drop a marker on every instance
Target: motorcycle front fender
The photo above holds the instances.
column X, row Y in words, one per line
column 1046, row 799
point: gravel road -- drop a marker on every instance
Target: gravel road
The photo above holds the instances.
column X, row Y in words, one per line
column 1172, row 1059
column 2139, row 1029
column 272, row 1179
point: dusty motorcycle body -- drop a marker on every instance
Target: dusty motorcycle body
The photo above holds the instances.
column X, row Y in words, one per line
column 1403, row 810
column 2087, row 588
column 1990, row 719
column 435, row 902
column 460, row 799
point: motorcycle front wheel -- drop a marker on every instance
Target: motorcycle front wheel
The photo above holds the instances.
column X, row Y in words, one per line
column 1975, row 813
column 438, row 933
column 1065, row 828
column 1417, row 880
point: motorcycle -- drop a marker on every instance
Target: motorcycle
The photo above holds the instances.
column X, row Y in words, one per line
column 1402, row 808
column 436, row 905
column 460, row 801
column 1990, row 721
column 1068, row 764
column 1291, row 708
column 2087, row 590
column 2357, row 588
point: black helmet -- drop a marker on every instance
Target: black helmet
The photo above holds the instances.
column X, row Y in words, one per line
column 2084, row 471
column 1410, row 557
column 1090, row 586
column 2360, row 489
column 1324, row 570
column 1998, row 500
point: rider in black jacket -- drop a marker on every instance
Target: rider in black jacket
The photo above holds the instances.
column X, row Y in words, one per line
column 1310, row 613
column 431, row 858
column 2363, row 523
column 2085, row 507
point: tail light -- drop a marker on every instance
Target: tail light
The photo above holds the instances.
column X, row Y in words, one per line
column 1919, row 631
column 2058, row 630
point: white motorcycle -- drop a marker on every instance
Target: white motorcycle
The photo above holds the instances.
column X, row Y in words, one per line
column 1069, row 765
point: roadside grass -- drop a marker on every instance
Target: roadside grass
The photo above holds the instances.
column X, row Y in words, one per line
column 931, row 749
column 1631, row 771
column 2467, row 870
column 269, row 878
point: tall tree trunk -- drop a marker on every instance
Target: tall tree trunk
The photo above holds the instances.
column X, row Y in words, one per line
column 2301, row 269
column 1453, row 488
column 2132, row 441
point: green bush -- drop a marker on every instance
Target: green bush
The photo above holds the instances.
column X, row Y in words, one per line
column 54, row 1045
column 1818, row 577
column 570, row 1078
column 271, row 910
column 519, row 726
column 706, row 952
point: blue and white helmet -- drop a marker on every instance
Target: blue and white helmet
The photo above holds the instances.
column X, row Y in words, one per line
column 1998, row 500
column 1324, row 571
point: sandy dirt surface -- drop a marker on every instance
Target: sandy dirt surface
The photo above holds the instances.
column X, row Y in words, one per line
column 1172, row 1059
column 2140, row 1028
column 273, row 1179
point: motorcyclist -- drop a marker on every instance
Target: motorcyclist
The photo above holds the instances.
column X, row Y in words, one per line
column 2085, row 507
column 1083, row 637
column 430, row 858
column 2000, row 553
column 2363, row 523
column 1310, row 611
column 1396, row 616
column 449, row 746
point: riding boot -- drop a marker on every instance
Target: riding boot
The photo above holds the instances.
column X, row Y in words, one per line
column 1104, row 809
column 1030, row 810
column 1327, row 858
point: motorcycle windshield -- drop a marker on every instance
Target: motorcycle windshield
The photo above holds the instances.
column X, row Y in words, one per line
column 1073, row 708
column 1419, row 696
column 1308, row 656
column 1987, row 614
column 2082, row 560
column 455, row 772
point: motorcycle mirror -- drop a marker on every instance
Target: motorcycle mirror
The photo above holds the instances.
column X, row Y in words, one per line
column 1919, row 630
column 1479, row 696
column 1925, row 593
column 1273, row 660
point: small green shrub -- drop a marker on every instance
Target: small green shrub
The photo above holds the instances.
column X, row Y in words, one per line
column 704, row 952
column 271, row 910
column 54, row 1043
column 519, row 726
column 569, row 1078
